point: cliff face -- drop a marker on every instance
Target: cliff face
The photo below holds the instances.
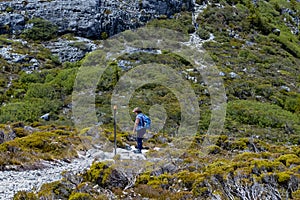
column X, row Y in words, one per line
column 89, row 18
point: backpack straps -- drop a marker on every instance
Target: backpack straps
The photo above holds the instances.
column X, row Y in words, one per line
column 142, row 121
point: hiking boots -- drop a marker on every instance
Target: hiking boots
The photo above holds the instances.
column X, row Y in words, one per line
column 137, row 151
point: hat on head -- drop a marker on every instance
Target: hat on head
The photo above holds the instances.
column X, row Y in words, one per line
column 137, row 109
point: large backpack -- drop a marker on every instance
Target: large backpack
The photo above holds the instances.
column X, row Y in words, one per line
column 146, row 121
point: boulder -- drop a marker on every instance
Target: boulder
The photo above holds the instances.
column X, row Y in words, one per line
column 45, row 116
column 117, row 179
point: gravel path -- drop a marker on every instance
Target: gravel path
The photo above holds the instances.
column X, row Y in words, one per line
column 14, row 181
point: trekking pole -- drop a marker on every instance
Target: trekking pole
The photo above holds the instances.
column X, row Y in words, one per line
column 115, row 130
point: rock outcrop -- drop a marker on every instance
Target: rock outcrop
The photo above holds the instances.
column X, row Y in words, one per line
column 71, row 50
column 89, row 18
column 7, row 135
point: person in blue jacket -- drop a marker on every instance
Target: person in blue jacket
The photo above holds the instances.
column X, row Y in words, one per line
column 140, row 128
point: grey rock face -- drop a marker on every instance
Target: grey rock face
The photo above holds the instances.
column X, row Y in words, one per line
column 89, row 18
column 11, row 22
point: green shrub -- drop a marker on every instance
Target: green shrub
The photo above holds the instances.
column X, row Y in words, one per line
column 296, row 194
column 213, row 149
column 23, row 195
column 80, row 196
column 203, row 34
column 264, row 165
column 262, row 114
column 200, row 188
column 98, row 173
column 151, row 192
column 283, row 177
column 289, row 159
column 143, row 178
column 41, row 30
column 219, row 167
column 9, row 9
column 34, row 77
column 39, row 90
column 64, row 80
column 54, row 190
column 292, row 104
column 181, row 23
column 67, row 65
column 235, row 145
column 187, row 178
column 30, row 110
column 104, row 35
column 109, row 78
column 47, row 145
column 289, row 43
column 4, row 41
column 20, row 132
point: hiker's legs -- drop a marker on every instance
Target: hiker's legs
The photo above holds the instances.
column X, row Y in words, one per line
column 140, row 134
column 140, row 143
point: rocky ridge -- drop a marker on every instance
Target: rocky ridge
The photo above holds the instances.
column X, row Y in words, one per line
column 89, row 18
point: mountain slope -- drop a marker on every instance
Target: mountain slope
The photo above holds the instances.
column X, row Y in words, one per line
column 255, row 46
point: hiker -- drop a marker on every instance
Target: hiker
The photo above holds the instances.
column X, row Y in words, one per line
column 139, row 128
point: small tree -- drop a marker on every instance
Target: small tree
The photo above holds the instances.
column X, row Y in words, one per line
column 41, row 30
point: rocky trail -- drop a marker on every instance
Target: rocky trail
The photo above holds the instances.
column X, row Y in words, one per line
column 13, row 181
